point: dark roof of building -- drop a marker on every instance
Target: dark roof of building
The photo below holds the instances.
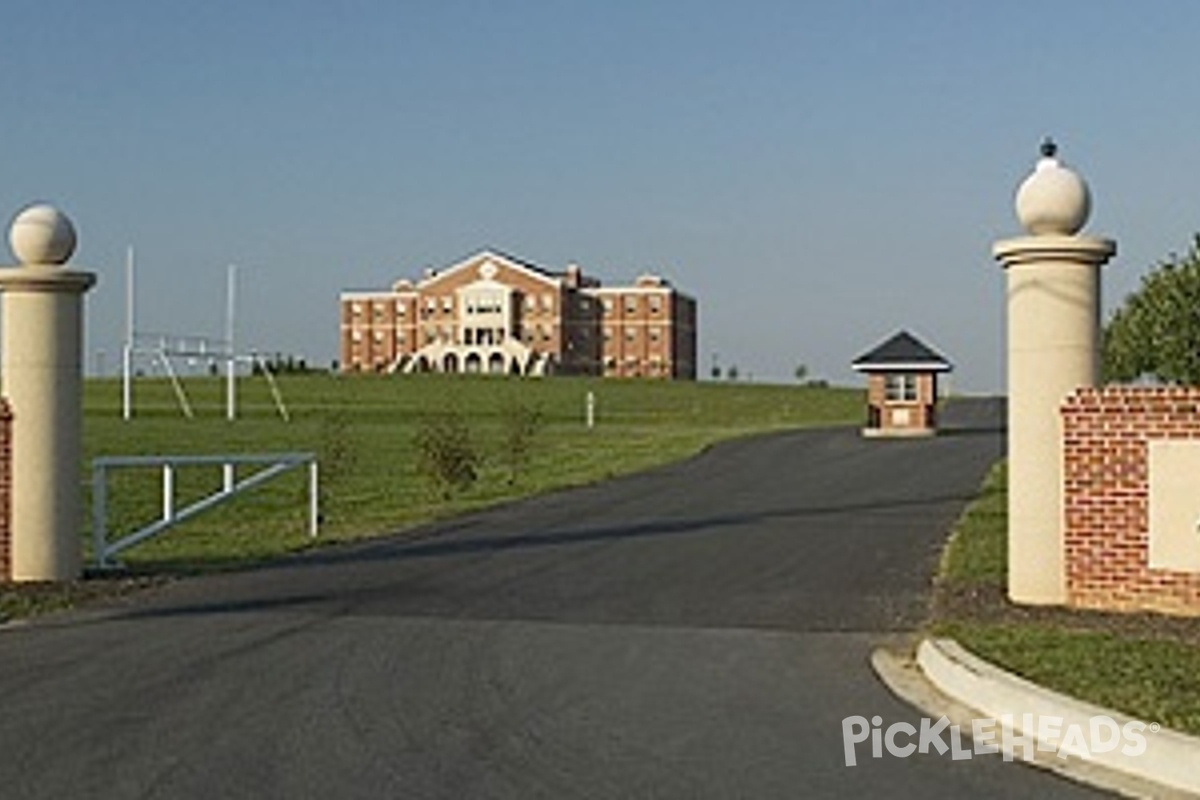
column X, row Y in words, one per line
column 902, row 352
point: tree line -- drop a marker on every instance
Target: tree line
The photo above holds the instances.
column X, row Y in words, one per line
column 1155, row 334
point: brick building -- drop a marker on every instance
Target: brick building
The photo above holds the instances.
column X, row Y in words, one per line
column 492, row 313
column 902, row 386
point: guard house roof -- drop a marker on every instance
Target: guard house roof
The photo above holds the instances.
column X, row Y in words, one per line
column 902, row 353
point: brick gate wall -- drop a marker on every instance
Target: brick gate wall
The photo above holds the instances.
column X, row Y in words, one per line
column 5, row 491
column 1106, row 497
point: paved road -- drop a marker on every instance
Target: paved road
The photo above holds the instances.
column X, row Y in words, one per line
column 699, row 631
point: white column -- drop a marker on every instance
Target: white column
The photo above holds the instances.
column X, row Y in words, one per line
column 1053, row 288
column 41, row 364
column 1053, row 348
column 41, row 367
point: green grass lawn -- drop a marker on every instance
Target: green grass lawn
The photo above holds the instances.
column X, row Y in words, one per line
column 363, row 430
column 1145, row 665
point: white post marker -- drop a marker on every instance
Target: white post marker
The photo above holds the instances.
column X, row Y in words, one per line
column 591, row 410
column 168, row 491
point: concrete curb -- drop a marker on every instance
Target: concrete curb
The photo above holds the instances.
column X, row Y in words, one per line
column 1170, row 758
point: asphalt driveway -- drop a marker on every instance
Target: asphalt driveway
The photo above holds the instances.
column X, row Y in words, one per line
column 697, row 631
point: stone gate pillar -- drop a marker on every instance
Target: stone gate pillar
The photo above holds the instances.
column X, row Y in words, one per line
column 1053, row 288
column 42, row 371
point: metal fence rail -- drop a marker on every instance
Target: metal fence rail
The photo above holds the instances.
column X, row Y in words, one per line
column 272, row 466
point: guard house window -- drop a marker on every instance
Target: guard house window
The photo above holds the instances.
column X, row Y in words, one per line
column 900, row 387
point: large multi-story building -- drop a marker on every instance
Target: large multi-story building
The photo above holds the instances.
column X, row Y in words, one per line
column 497, row 314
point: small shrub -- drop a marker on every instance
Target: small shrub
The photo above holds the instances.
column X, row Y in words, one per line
column 337, row 454
column 445, row 455
column 521, row 424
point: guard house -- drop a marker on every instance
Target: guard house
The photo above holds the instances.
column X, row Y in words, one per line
column 902, row 390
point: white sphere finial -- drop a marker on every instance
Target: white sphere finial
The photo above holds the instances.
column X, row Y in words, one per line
column 41, row 234
column 1053, row 200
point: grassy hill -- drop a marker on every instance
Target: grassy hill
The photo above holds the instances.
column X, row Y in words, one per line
column 364, row 430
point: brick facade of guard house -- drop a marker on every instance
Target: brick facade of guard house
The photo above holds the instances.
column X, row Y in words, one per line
column 1131, row 499
column 902, row 387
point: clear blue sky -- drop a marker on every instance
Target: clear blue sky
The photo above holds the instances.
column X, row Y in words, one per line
column 818, row 175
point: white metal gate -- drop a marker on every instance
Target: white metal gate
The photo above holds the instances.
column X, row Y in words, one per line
column 271, row 466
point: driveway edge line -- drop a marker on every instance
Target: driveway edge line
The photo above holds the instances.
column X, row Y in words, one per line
column 944, row 679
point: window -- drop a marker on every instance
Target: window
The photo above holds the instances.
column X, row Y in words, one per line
column 608, row 304
column 447, row 303
column 655, row 305
column 631, row 305
column 356, row 309
column 900, row 387
column 399, row 309
column 655, row 334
